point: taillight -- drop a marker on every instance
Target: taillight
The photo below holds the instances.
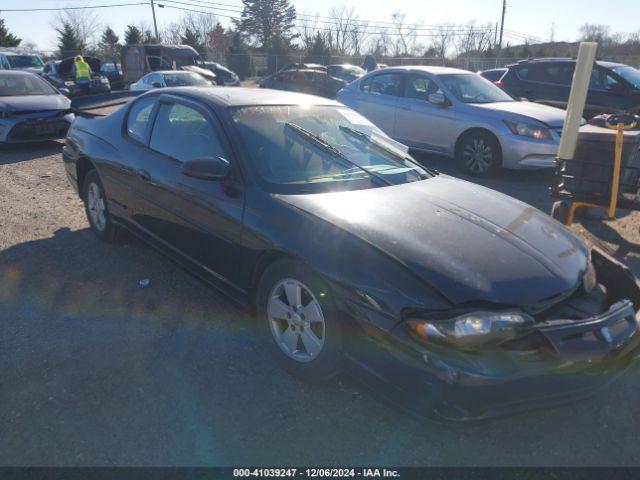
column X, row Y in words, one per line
column 499, row 84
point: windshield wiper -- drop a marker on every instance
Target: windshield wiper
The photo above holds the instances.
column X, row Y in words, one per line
column 365, row 137
column 331, row 150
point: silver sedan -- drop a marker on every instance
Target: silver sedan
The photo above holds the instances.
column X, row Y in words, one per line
column 458, row 114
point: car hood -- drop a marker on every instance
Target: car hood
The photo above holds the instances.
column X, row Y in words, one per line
column 34, row 102
column 551, row 116
column 36, row 70
column 475, row 245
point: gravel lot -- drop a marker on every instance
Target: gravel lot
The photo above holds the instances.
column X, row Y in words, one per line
column 97, row 371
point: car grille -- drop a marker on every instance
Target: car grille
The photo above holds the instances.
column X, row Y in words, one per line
column 42, row 130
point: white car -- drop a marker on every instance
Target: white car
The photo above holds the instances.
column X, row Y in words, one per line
column 170, row 78
column 458, row 114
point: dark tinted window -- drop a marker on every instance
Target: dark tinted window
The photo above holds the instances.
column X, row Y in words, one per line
column 138, row 118
column 386, row 84
column 555, row 72
column 184, row 134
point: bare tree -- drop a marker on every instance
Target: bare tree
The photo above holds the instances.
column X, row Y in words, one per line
column 443, row 39
column 347, row 33
column 594, row 33
column 308, row 29
column 379, row 43
column 171, row 34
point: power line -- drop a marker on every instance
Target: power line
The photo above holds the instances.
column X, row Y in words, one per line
column 325, row 29
column 54, row 9
column 418, row 26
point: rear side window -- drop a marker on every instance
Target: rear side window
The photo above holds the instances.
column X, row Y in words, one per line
column 386, row 84
column 184, row 133
column 556, row 73
column 365, row 85
column 138, row 119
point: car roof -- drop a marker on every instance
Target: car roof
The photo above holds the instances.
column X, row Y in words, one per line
column 241, row 96
column 435, row 70
column 18, row 73
column 180, row 72
column 564, row 59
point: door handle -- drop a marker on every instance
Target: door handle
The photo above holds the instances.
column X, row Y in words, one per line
column 144, row 175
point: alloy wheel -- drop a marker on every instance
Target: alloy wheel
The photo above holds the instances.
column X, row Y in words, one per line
column 96, row 207
column 296, row 320
column 477, row 156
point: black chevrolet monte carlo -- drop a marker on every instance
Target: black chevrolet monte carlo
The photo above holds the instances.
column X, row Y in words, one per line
column 462, row 302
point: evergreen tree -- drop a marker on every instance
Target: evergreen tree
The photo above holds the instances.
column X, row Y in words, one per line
column 319, row 48
column 269, row 22
column 69, row 42
column 148, row 38
column 192, row 39
column 7, row 39
column 237, row 58
column 132, row 35
column 109, row 45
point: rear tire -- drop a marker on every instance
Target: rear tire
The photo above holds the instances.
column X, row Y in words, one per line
column 479, row 153
column 298, row 321
column 95, row 204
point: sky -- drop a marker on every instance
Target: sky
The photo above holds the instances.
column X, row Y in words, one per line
column 531, row 17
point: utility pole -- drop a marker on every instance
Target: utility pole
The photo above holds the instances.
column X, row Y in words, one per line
column 155, row 24
column 504, row 11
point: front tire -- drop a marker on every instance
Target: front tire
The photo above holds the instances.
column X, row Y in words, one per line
column 95, row 204
column 479, row 153
column 298, row 321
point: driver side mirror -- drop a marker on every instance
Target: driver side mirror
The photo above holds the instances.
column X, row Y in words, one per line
column 156, row 85
column 439, row 99
column 214, row 168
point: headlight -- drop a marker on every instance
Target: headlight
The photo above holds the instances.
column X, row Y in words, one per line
column 529, row 130
column 471, row 329
column 69, row 83
column 104, row 80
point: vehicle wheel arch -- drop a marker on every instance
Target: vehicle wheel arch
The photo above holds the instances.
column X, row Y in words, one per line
column 267, row 259
column 475, row 129
column 83, row 166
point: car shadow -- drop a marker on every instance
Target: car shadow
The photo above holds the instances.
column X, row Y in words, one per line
column 97, row 370
column 23, row 152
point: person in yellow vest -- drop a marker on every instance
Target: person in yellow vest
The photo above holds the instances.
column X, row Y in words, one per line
column 82, row 73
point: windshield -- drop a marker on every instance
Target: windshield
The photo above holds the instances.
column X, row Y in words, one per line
column 630, row 74
column 24, row 61
column 185, row 80
column 300, row 149
column 472, row 88
column 15, row 85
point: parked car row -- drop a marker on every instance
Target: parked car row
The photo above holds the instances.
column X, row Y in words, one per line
column 392, row 268
column 614, row 86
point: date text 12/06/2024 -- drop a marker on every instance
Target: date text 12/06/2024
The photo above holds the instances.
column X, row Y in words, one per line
column 315, row 473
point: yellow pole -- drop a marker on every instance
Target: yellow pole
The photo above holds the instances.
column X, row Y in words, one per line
column 615, row 186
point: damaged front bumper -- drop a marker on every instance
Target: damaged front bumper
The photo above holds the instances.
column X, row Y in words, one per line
column 557, row 361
